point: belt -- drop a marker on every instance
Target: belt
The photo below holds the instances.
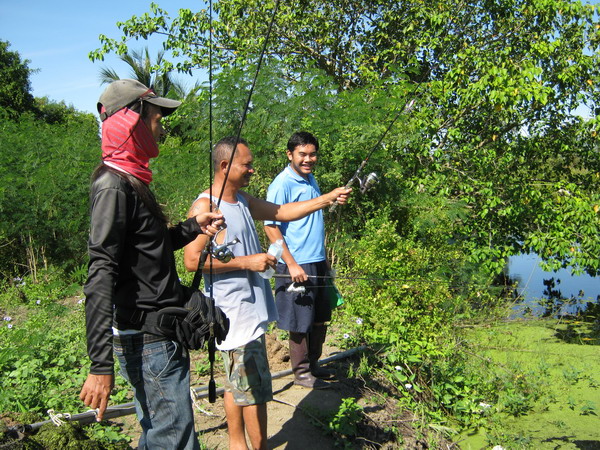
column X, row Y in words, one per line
column 138, row 338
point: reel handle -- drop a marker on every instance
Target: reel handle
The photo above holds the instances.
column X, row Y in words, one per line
column 222, row 252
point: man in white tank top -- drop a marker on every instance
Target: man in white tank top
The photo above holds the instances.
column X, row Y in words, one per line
column 244, row 296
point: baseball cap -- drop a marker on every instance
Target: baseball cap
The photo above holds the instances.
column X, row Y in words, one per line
column 122, row 93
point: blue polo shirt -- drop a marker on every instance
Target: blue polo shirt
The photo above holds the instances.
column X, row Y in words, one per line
column 305, row 238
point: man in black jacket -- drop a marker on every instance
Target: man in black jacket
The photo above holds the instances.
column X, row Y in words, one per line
column 132, row 271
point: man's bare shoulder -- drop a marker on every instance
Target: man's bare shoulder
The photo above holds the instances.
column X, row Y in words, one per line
column 250, row 199
column 200, row 205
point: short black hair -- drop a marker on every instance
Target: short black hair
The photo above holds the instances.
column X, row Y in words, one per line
column 302, row 138
column 224, row 148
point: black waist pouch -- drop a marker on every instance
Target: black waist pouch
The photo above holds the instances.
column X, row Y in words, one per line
column 193, row 323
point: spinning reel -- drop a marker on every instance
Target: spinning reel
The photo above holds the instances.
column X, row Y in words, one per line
column 367, row 182
column 222, row 252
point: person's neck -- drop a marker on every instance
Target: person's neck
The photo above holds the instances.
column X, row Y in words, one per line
column 229, row 194
column 303, row 175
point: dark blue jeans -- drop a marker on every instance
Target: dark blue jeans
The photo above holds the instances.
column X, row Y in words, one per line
column 159, row 372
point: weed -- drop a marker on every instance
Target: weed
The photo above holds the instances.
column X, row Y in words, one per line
column 79, row 274
column 346, row 418
column 351, row 371
column 364, row 367
column 572, row 375
column 560, row 424
column 41, row 356
column 71, row 436
column 588, row 409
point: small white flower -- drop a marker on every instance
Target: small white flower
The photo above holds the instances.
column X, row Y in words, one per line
column 359, row 321
column 17, row 279
column 485, row 405
column 398, row 368
column 7, row 318
column 408, row 386
column 10, row 325
column 498, row 447
column 346, row 335
column 80, row 301
column 37, row 302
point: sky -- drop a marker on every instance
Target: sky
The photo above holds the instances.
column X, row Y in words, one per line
column 57, row 35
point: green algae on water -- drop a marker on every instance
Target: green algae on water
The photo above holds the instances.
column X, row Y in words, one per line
column 560, row 405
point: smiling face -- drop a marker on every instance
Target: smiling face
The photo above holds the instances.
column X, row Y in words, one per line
column 303, row 159
column 241, row 168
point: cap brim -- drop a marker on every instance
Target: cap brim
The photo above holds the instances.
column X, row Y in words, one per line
column 167, row 105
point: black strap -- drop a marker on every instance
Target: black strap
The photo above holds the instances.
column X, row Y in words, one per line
column 211, row 347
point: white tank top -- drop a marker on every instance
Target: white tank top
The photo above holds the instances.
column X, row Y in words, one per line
column 244, row 296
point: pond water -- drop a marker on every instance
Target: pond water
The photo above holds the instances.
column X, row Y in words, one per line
column 550, row 293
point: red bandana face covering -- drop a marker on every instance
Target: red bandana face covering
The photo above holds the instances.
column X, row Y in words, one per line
column 128, row 144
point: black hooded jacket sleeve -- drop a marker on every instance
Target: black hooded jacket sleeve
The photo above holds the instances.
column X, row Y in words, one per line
column 131, row 263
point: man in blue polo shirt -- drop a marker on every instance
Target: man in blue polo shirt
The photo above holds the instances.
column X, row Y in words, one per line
column 304, row 315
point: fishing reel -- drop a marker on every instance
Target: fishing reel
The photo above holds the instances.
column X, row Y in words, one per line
column 367, row 182
column 222, row 252
column 364, row 183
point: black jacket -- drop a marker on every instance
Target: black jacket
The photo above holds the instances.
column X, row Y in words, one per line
column 131, row 263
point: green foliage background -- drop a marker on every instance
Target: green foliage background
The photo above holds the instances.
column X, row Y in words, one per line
column 44, row 173
column 488, row 162
column 495, row 84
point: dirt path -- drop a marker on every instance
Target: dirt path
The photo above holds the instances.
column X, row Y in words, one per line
column 298, row 418
column 293, row 415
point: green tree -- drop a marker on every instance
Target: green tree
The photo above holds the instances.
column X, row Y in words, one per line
column 15, row 87
column 492, row 132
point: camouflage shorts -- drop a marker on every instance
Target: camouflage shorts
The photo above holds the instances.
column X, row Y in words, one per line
column 248, row 376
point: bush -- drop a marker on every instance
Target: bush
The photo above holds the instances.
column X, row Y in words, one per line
column 44, row 185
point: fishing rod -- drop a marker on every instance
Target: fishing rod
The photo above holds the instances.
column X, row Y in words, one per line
column 367, row 182
column 386, row 279
column 223, row 252
column 371, row 179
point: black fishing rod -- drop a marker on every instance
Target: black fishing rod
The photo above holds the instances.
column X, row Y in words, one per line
column 367, row 182
column 223, row 252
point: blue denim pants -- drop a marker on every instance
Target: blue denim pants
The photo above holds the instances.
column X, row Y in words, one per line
column 159, row 372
